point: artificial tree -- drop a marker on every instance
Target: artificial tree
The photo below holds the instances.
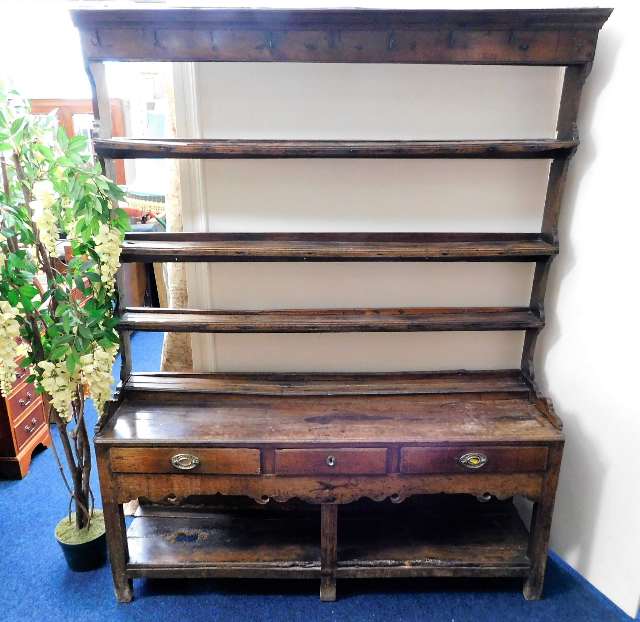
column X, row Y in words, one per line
column 57, row 317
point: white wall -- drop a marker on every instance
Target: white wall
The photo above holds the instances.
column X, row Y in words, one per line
column 586, row 357
column 369, row 101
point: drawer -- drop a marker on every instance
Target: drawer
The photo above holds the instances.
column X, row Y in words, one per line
column 472, row 459
column 28, row 427
column 21, row 374
column 331, row 461
column 21, row 399
column 185, row 460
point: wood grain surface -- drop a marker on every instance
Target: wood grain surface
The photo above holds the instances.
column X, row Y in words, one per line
column 124, row 148
column 337, row 420
column 198, row 247
column 329, row 320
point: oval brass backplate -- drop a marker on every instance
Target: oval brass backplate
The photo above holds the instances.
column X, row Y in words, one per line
column 185, row 462
column 473, row 460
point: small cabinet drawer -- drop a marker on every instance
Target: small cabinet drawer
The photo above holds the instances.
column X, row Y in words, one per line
column 21, row 399
column 225, row 460
column 21, row 374
column 363, row 461
column 29, row 426
column 472, row 459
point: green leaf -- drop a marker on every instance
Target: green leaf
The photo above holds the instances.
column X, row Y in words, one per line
column 107, row 343
column 17, row 125
column 121, row 220
column 78, row 143
column 29, row 291
column 63, row 139
column 79, row 283
column 115, row 190
column 62, row 309
column 58, row 352
column 45, row 151
column 112, row 322
column 93, row 255
column 64, row 339
column 59, row 295
column 72, row 361
column 80, row 344
column 112, row 337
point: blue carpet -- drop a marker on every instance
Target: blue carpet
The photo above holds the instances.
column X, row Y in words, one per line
column 36, row 584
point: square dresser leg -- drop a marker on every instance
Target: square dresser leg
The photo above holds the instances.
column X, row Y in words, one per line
column 541, row 528
column 116, row 531
column 328, row 551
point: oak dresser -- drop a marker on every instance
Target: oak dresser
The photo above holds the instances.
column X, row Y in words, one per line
column 336, row 475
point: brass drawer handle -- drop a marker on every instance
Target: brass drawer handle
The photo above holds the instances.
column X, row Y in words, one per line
column 331, row 461
column 30, row 428
column 473, row 460
column 26, row 400
column 185, row 462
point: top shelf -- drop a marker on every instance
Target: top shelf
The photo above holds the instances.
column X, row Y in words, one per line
column 523, row 37
column 123, row 148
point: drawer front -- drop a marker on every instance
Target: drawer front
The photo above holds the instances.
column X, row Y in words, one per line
column 21, row 374
column 473, row 459
column 30, row 426
column 185, row 460
column 372, row 461
column 21, row 399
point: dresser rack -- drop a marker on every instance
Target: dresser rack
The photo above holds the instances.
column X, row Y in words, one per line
column 314, row 443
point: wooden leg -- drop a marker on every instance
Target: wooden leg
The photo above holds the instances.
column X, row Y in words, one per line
column 118, row 552
column 541, row 528
column 18, row 467
column 328, row 551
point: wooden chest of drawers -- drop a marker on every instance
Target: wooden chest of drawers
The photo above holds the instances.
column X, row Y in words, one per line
column 23, row 428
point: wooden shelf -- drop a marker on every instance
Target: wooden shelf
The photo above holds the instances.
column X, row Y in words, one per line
column 196, row 247
column 123, row 148
column 508, row 382
column 173, row 418
column 239, row 542
column 330, row 320
column 441, row 534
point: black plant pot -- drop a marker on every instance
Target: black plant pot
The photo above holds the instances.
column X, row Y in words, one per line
column 86, row 556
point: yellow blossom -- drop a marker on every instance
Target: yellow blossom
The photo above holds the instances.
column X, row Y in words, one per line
column 45, row 219
column 10, row 349
column 95, row 373
column 43, row 191
column 60, row 386
column 107, row 247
